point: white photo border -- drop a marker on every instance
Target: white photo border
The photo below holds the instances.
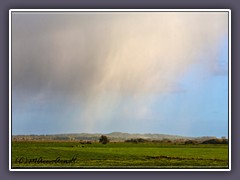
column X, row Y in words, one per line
column 118, row 10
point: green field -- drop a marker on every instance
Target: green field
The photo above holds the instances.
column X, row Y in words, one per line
column 117, row 155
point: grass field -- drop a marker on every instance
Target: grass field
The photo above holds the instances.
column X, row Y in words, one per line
column 117, row 155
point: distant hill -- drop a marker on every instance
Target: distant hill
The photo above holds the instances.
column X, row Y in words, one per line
column 114, row 136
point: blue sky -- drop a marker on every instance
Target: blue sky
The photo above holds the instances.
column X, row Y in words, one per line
column 136, row 73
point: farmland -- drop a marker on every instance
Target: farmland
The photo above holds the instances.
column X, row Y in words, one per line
column 73, row 154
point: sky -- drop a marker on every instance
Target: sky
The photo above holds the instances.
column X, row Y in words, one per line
column 134, row 72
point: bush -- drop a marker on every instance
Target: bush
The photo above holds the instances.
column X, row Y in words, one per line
column 190, row 142
column 138, row 140
column 104, row 139
column 212, row 141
